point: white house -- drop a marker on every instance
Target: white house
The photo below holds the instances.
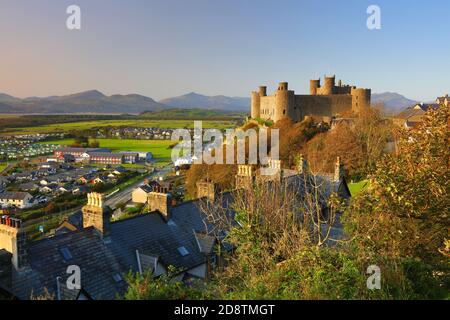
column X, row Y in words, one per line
column 20, row 200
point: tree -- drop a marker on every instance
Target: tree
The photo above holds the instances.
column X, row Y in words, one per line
column 403, row 216
column 342, row 142
column 360, row 144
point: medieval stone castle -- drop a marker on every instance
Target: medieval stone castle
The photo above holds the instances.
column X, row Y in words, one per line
column 323, row 102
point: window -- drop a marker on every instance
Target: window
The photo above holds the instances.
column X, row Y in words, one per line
column 66, row 253
column 117, row 277
column 183, row 251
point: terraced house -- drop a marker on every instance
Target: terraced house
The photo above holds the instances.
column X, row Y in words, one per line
column 20, row 200
column 179, row 237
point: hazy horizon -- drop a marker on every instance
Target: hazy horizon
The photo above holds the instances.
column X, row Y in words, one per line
column 163, row 49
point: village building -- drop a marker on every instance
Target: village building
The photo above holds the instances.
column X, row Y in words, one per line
column 20, row 200
column 412, row 117
column 167, row 236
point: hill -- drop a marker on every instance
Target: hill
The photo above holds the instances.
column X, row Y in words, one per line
column 92, row 101
column 95, row 102
column 393, row 102
column 195, row 100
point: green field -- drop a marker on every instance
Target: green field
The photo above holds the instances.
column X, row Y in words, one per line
column 65, row 127
column 357, row 187
column 159, row 148
column 2, row 166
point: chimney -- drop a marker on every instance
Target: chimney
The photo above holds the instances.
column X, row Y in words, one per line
column 338, row 170
column 302, row 165
column 95, row 214
column 207, row 189
column 13, row 240
column 245, row 176
column 273, row 172
column 159, row 200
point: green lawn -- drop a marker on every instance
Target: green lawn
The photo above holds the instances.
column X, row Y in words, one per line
column 159, row 148
column 65, row 127
column 357, row 187
column 2, row 166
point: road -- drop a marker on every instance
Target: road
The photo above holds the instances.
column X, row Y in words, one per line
column 121, row 196
column 125, row 195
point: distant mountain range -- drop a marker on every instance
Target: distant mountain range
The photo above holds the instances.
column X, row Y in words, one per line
column 393, row 102
column 85, row 102
column 195, row 100
column 94, row 101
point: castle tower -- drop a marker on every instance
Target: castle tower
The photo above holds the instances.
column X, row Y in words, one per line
column 360, row 98
column 284, row 102
column 328, row 87
column 95, row 214
column 13, row 240
column 256, row 101
column 314, row 85
column 159, row 200
column 255, row 104
column 262, row 91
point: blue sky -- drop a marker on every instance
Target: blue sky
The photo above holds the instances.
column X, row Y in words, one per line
column 172, row 47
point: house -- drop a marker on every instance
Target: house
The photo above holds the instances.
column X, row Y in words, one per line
column 77, row 152
column 106, row 158
column 99, row 180
column 145, row 156
column 167, row 236
column 20, row 200
column 119, row 170
column 111, row 175
column 29, row 186
column 412, row 117
column 445, row 100
column 130, row 157
column 80, row 190
column 48, row 188
column 24, row 175
column 4, row 181
column 140, row 194
column 49, row 181
column 151, row 242
column 65, row 189
column 85, row 179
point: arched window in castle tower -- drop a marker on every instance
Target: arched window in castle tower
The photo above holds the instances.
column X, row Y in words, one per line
column 284, row 111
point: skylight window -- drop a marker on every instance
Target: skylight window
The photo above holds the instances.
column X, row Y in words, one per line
column 117, row 277
column 66, row 253
column 183, row 251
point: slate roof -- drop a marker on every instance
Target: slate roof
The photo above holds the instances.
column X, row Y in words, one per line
column 88, row 251
column 14, row 195
column 180, row 242
column 100, row 260
column 151, row 235
column 407, row 113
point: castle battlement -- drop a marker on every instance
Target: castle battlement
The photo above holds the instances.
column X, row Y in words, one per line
column 323, row 102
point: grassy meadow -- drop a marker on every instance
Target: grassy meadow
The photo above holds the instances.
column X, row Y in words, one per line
column 66, row 127
column 159, row 148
